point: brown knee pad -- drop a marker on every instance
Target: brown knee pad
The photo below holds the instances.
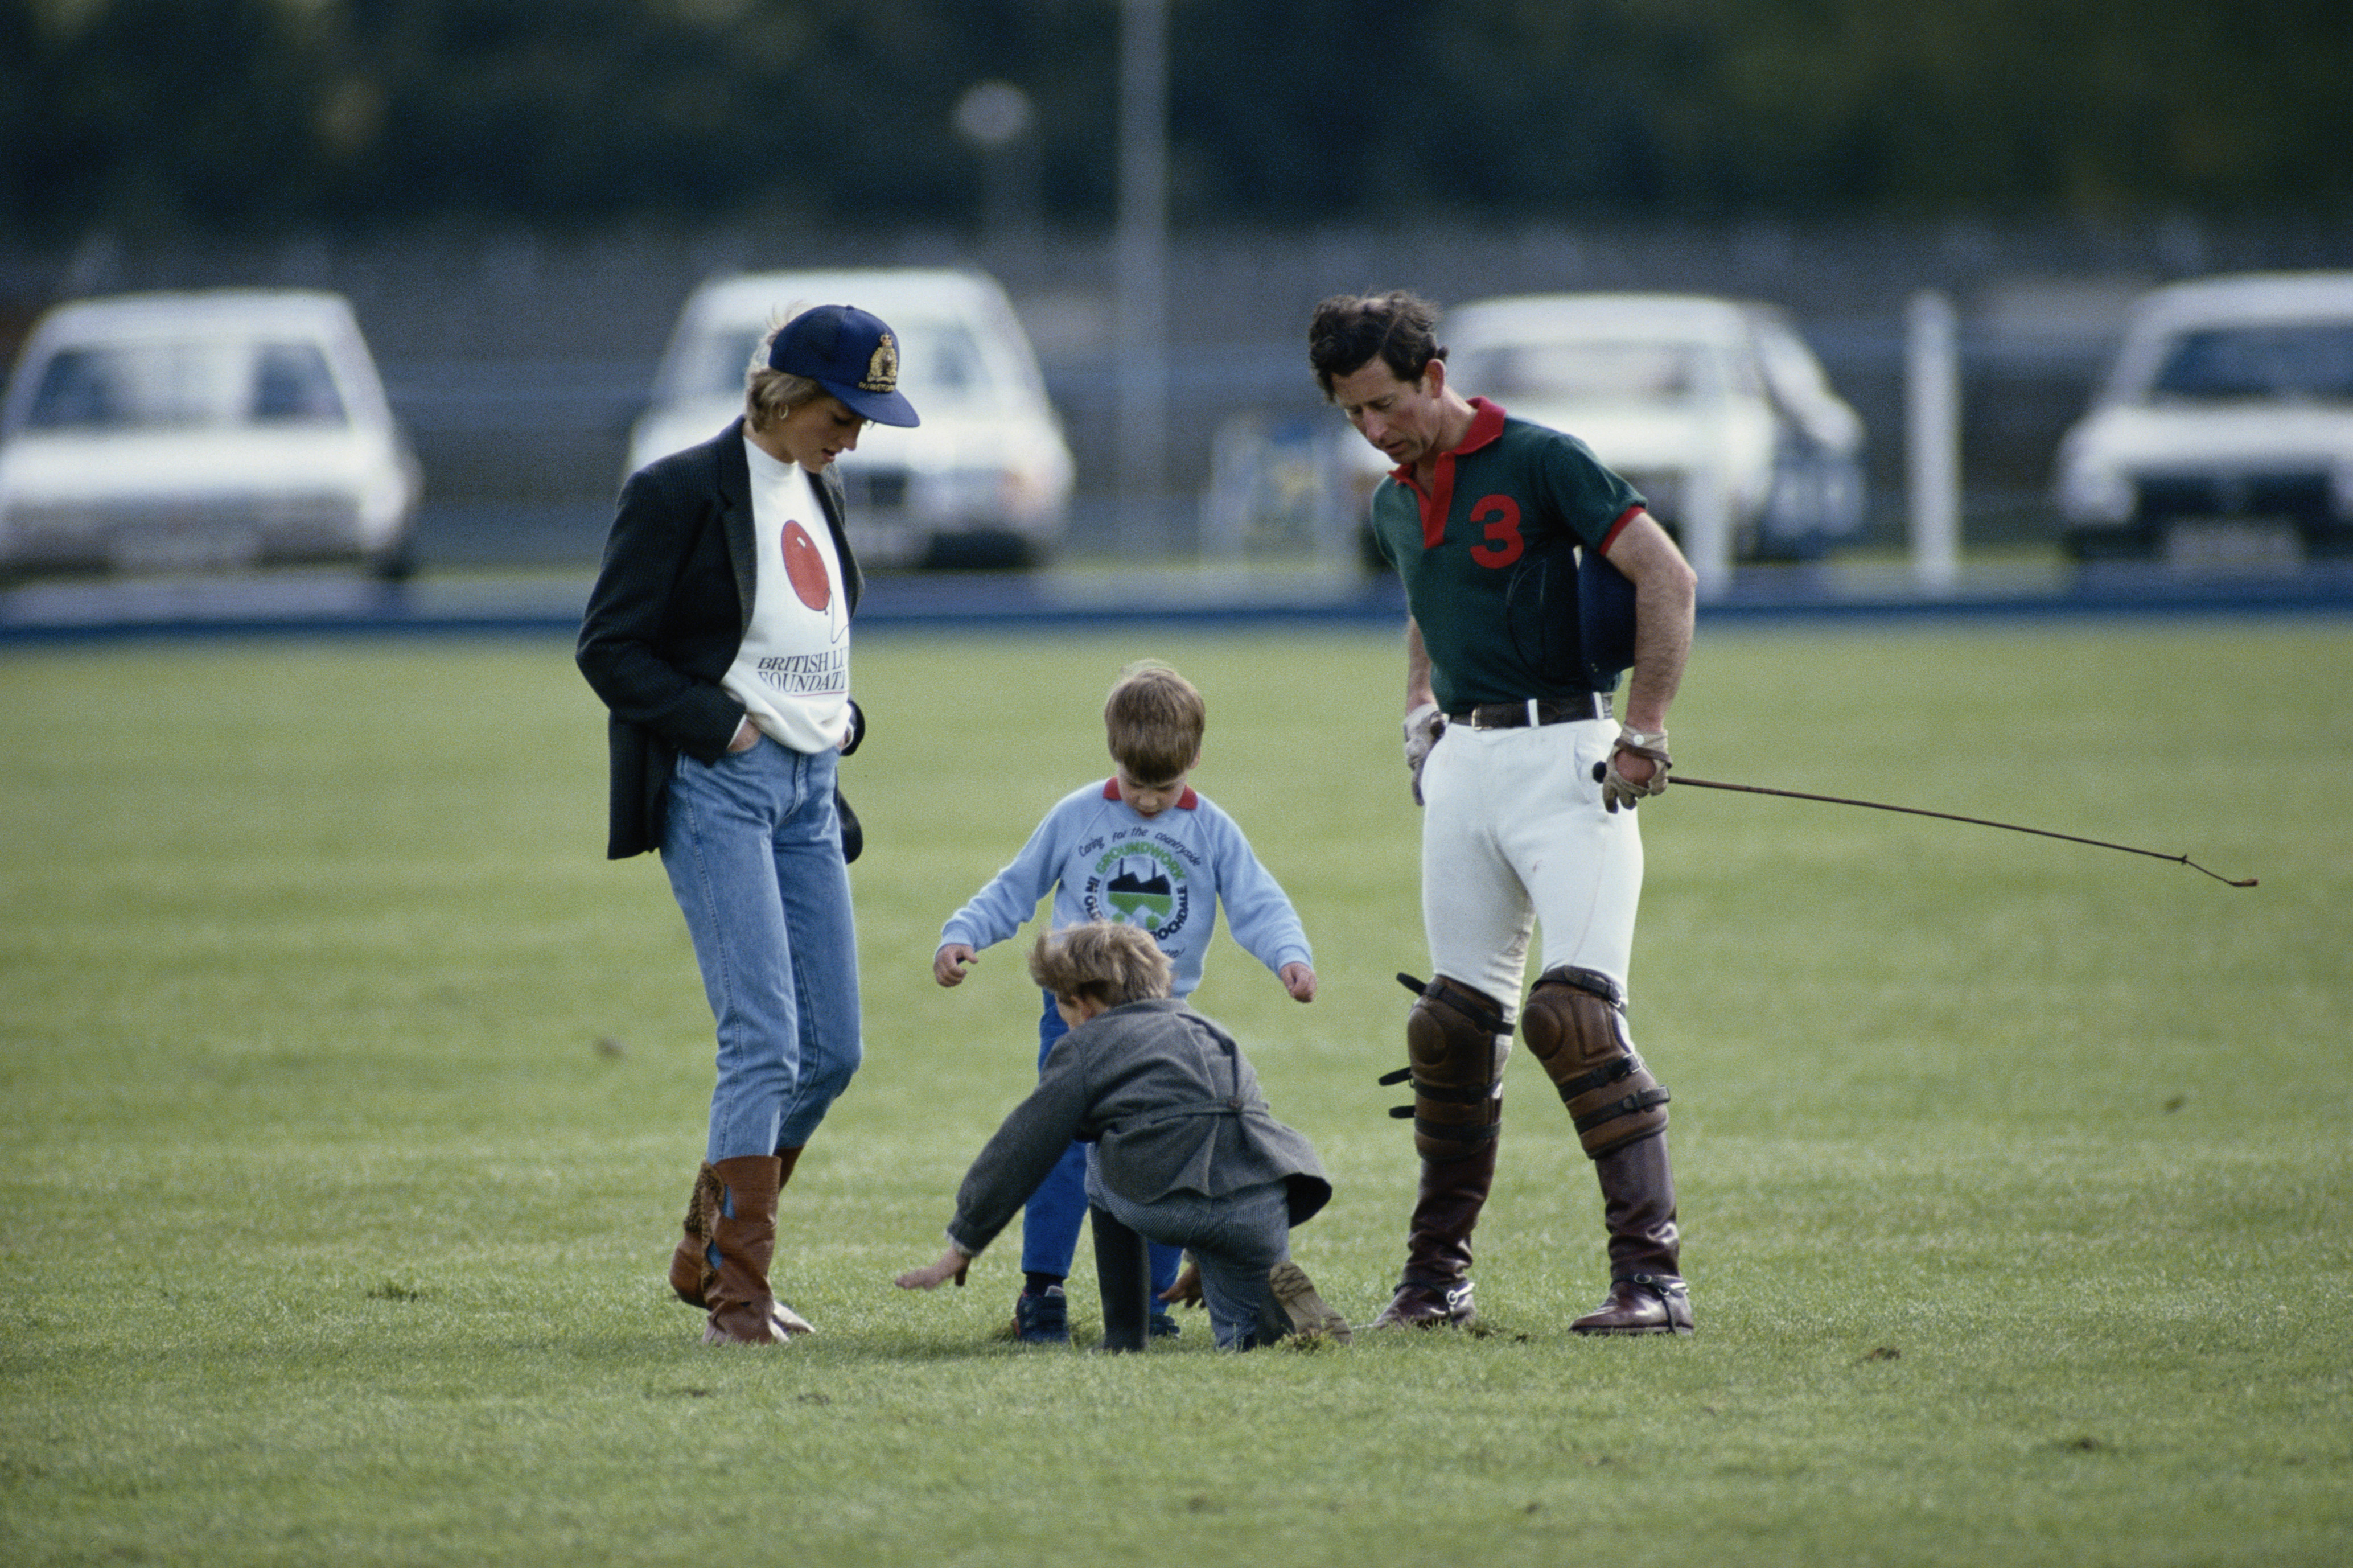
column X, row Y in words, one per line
column 1576, row 1026
column 1452, row 1039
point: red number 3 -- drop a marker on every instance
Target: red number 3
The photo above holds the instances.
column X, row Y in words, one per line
column 1504, row 542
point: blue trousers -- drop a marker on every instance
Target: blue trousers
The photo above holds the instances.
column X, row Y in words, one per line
column 1050, row 1220
column 753, row 847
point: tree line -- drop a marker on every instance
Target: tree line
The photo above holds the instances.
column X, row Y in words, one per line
column 249, row 115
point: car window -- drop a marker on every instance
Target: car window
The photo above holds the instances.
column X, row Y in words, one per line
column 1594, row 369
column 1789, row 366
column 716, row 365
column 186, row 384
column 2289, row 359
column 941, row 360
column 292, row 386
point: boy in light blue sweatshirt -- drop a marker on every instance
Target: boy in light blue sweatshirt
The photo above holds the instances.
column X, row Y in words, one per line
column 1144, row 848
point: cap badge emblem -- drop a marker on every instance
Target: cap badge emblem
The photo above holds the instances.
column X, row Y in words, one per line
column 882, row 368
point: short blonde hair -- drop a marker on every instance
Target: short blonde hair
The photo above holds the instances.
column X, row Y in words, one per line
column 1103, row 960
column 1155, row 720
column 771, row 394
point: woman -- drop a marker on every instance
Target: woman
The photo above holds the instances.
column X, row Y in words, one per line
column 718, row 636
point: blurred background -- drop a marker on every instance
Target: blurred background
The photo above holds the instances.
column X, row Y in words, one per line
column 518, row 197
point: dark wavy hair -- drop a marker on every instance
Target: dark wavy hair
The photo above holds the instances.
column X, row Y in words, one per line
column 1349, row 331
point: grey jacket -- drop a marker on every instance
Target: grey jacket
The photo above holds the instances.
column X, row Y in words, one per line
column 1170, row 1103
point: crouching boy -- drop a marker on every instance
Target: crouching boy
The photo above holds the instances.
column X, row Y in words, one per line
column 1183, row 1150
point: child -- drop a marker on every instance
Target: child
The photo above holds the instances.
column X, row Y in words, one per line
column 1188, row 1154
column 1142, row 847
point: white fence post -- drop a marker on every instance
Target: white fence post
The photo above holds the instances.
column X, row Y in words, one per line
column 1933, row 409
column 1708, row 509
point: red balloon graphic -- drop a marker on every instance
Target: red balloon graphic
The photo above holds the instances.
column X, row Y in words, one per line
column 804, row 567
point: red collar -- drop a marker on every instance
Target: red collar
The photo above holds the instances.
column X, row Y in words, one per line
column 1184, row 801
column 1486, row 424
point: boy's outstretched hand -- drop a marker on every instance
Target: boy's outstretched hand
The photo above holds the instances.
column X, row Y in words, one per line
column 951, row 1265
column 1297, row 979
column 948, row 964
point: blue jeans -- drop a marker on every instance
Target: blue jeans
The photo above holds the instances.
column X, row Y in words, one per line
column 1235, row 1239
column 1050, row 1220
column 753, row 847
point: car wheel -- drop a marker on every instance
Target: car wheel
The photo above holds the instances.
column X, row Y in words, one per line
column 981, row 550
column 2324, row 538
column 2135, row 541
column 398, row 564
column 1791, row 550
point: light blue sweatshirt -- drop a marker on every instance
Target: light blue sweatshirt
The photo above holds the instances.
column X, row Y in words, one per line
column 1166, row 874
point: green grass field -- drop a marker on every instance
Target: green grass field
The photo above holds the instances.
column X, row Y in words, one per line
column 348, row 1098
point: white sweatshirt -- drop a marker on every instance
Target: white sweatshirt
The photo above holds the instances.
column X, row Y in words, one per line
column 792, row 674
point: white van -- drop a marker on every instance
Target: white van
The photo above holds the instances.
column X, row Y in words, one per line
column 222, row 428
column 1668, row 389
column 2229, row 410
column 986, row 478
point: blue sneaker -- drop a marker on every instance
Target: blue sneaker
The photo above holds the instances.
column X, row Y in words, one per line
column 1164, row 1327
column 1042, row 1319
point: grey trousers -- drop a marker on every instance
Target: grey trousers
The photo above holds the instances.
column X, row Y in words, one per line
column 1235, row 1239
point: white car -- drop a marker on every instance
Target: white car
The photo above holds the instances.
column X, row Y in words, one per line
column 2230, row 406
column 986, row 478
column 222, row 428
column 1669, row 389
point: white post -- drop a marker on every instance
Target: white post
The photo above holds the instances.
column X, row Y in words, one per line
column 1143, row 262
column 1708, row 509
column 1933, row 410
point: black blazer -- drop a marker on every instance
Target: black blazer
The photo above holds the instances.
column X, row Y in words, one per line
column 667, row 616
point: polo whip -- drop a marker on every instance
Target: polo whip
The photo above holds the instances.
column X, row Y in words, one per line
column 1679, row 780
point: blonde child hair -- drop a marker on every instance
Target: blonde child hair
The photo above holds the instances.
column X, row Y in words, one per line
column 1103, row 960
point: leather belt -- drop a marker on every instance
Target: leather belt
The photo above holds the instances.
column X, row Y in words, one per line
column 1535, row 710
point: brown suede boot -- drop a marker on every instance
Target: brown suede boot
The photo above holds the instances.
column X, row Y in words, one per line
column 1638, row 1206
column 1435, row 1291
column 743, row 1311
column 691, row 1269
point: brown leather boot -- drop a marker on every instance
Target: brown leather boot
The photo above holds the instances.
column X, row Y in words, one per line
column 1638, row 1206
column 1641, row 1304
column 1434, row 1291
column 691, row 1269
column 743, row 1311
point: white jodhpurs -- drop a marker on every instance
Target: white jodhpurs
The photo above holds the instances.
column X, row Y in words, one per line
column 1514, row 836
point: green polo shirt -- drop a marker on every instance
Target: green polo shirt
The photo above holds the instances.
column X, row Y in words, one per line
column 1487, row 556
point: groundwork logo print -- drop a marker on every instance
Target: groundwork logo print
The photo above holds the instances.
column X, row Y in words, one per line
column 1138, row 883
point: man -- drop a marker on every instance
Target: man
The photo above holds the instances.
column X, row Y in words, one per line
column 1528, row 788
column 718, row 634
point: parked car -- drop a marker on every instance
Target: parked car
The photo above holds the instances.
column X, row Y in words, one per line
column 1666, row 387
column 986, row 478
column 222, row 428
column 2230, row 405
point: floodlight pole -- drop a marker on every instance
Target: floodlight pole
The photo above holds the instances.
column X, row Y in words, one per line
column 1141, row 261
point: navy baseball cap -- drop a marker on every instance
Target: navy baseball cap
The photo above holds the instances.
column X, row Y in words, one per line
column 851, row 354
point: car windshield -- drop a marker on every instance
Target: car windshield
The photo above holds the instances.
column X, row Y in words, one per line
column 939, row 362
column 2293, row 360
column 1593, row 369
column 185, row 384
